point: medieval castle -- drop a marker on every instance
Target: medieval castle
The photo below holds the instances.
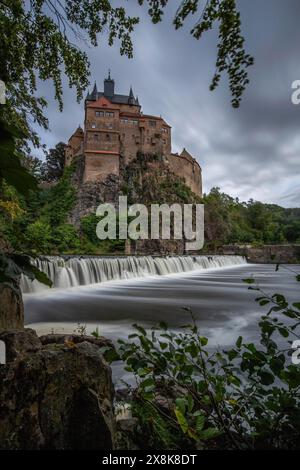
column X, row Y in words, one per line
column 115, row 128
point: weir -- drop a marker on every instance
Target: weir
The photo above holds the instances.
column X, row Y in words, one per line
column 79, row 271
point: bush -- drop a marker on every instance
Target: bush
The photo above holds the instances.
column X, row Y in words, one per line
column 39, row 237
column 65, row 238
column 247, row 397
column 88, row 226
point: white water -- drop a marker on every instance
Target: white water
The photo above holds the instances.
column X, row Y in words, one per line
column 79, row 271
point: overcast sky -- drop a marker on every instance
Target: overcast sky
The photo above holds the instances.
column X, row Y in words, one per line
column 252, row 152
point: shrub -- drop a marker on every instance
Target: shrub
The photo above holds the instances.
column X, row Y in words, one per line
column 39, row 237
column 247, row 397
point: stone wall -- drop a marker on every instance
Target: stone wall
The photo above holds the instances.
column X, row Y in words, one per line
column 99, row 165
column 265, row 254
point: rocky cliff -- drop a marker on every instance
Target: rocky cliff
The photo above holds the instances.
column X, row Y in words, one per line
column 147, row 179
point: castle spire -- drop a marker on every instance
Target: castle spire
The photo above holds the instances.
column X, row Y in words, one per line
column 131, row 98
column 88, row 96
column 94, row 92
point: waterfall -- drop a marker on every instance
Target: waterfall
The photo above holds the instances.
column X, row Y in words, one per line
column 79, row 271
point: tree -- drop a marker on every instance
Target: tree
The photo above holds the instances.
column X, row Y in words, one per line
column 53, row 167
column 33, row 165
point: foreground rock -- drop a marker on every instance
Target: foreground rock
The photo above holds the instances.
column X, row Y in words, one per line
column 11, row 307
column 55, row 395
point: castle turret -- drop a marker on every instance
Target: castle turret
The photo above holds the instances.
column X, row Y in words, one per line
column 109, row 86
column 94, row 94
column 131, row 99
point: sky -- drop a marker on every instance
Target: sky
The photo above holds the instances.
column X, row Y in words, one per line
column 252, row 152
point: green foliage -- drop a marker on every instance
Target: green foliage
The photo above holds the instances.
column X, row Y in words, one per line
column 53, row 168
column 247, row 397
column 38, row 236
column 65, row 237
column 37, row 42
column 88, row 226
column 96, row 332
column 229, row 221
column 11, row 169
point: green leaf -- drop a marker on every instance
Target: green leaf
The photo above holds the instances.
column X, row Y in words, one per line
column 266, row 378
column 40, row 276
column 181, row 420
column 209, row 433
column 181, row 404
column 200, row 421
column 163, row 325
column 284, row 332
column 140, row 329
column 239, row 342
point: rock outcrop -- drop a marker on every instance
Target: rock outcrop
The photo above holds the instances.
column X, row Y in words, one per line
column 55, row 393
column 11, row 307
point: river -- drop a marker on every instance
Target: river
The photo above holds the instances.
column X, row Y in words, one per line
column 220, row 301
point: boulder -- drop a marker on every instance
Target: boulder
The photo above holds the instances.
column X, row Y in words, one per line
column 19, row 342
column 55, row 396
column 11, row 307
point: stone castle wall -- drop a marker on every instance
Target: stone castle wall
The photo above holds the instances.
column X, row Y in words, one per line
column 187, row 169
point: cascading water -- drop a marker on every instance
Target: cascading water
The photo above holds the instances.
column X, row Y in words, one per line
column 78, row 271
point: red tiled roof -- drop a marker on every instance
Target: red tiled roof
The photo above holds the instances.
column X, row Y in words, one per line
column 102, row 103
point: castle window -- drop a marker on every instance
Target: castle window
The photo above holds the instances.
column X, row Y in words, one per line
column 99, row 113
column 165, row 130
column 108, row 137
column 109, row 114
column 93, row 125
column 124, row 120
column 96, row 136
column 164, row 141
column 152, row 123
